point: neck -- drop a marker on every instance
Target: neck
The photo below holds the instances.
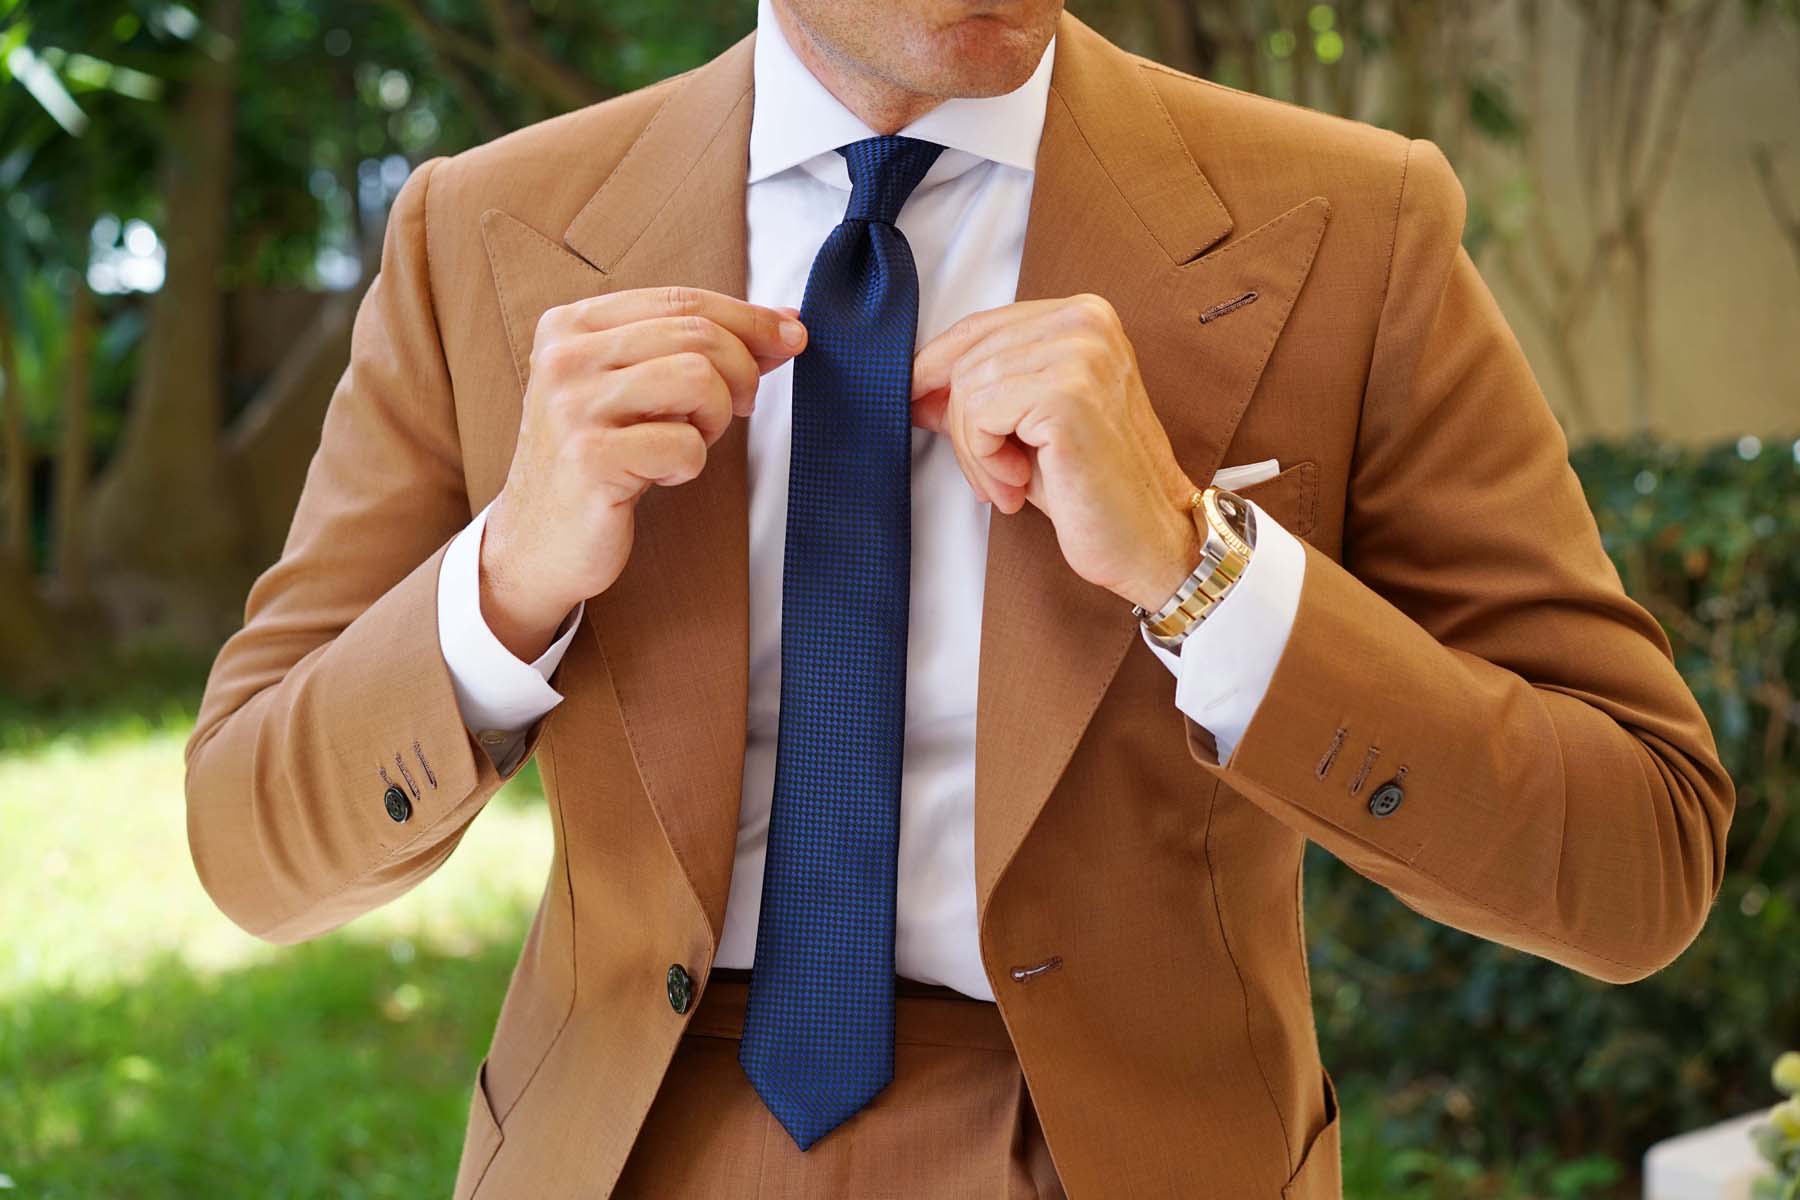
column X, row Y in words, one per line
column 878, row 102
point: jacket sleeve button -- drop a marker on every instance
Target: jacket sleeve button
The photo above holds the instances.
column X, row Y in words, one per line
column 399, row 808
column 681, row 988
column 1386, row 799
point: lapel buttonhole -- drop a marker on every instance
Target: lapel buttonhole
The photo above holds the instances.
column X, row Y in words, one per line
column 1230, row 306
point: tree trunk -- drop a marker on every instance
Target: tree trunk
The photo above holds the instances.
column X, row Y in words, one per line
column 166, row 540
column 68, row 553
column 1174, row 26
column 1640, row 345
column 1413, row 62
column 272, row 444
column 29, row 650
column 14, row 454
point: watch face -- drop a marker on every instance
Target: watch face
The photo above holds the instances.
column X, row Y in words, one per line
column 1236, row 516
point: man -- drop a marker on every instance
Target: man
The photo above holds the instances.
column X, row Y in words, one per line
column 943, row 690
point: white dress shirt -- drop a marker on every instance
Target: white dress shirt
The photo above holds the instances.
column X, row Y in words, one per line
column 965, row 223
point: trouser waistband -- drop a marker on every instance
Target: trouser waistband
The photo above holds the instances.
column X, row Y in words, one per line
column 924, row 1013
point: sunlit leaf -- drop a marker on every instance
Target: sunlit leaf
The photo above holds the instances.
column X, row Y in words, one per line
column 11, row 39
column 46, row 89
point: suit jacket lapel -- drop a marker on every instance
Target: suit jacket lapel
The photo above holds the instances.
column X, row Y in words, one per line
column 673, row 629
column 1119, row 209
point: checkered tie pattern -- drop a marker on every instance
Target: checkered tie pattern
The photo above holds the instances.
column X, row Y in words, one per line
column 818, row 1041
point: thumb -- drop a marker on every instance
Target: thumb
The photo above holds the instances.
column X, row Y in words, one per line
column 929, row 410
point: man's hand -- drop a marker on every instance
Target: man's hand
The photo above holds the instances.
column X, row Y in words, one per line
column 1043, row 403
column 627, row 390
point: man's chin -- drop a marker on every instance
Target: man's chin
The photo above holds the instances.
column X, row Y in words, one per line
column 983, row 56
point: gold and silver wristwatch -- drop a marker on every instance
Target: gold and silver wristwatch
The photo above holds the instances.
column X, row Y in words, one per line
column 1227, row 526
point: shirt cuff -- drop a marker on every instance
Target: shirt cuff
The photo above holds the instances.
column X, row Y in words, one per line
column 1223, row 668
column 498, row 694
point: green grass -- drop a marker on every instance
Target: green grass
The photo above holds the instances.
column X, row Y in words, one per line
column 148, row 1048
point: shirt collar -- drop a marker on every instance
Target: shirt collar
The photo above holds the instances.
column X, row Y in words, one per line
column 795, row 119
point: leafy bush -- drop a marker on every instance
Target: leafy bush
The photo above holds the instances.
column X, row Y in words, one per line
column 1779, row 1140
column 1489, row 1054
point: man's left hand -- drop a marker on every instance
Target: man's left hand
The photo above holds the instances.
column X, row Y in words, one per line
column 1043, row 403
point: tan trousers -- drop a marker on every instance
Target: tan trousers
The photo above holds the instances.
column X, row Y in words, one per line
column 955, row 1122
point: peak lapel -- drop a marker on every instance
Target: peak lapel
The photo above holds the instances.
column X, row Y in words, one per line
column 673, row 629
column 1119, row 209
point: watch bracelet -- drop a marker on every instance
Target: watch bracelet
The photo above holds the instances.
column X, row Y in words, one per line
column 1199, row 594
column 1224, row 557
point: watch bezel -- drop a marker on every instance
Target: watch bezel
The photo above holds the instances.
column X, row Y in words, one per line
column 1231, row 517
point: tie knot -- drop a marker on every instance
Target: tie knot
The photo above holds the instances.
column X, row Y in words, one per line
column 883, row 173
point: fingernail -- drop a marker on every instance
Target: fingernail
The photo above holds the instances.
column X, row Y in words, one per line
column 793, row 332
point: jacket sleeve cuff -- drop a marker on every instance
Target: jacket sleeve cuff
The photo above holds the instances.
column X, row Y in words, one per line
column 1223, row 669
column 498, row 694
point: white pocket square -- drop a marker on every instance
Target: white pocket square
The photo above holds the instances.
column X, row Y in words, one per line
column 1237, row 477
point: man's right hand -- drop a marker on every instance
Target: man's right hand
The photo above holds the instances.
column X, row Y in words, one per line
column 627, row 390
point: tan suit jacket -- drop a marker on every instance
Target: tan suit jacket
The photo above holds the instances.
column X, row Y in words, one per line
column 1460, row 632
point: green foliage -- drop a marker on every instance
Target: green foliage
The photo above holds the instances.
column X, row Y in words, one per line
column 1491, row 110
column 1376, row 1167
column 1778, row 1141
column 1481, row 1053
column 336, row 99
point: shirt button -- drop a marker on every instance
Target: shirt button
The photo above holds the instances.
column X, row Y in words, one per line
column 1386, row 799
column 681, row 988
column 491, row 737
column 398, row 806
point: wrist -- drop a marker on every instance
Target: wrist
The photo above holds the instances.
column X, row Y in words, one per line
column 1177, row 548
column 522, row 614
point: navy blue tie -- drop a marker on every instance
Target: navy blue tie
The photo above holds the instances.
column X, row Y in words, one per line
column 818, row 1040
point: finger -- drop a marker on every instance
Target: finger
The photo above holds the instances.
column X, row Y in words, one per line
column 1008, row 464
column 999, row 463
column 996, row 395
column 1021, row 348
column 1035, row 492
column 977, row 480
column 771, row 336
column 658, row 337
column 1005, row 408
column 1004, row 466
column 937, row 358
column 999, row 476
column 685, row 386
column 931, row 410
column 1008, row 495
column 653, row 452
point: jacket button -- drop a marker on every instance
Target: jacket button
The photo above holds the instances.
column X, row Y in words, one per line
column 681, row 988
column 1386, row 799
column 398, row 806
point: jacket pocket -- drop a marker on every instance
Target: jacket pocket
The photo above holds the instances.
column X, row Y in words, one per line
column 481, row 1142
column 1319, row 1176
column 1292, row 497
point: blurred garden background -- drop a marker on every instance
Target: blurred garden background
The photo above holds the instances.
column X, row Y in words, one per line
column 191, row 202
